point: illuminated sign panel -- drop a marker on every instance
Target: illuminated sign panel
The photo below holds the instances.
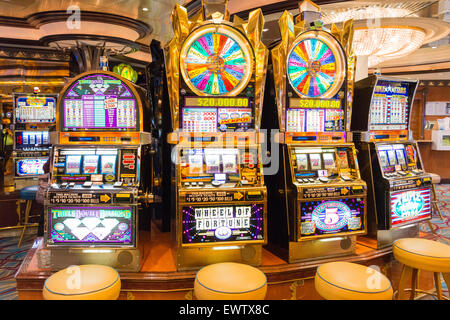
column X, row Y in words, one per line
column 410, row 206
column 99, row 102
column 35, row 109
column 30, row 167
column 226, row 223
column 108, row 225
column 323, row 217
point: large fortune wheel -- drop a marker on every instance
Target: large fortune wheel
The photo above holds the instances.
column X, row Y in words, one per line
column 216, row 60
column 316, row 65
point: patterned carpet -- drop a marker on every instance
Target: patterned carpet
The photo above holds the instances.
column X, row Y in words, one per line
column 11, row 257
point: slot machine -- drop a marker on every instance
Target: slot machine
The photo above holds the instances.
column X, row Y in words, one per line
column 317, row 200
column 399, row 189
column 34, row 114
column 95, row 182
column 218, row 186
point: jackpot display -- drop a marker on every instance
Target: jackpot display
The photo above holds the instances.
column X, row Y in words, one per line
column 99, row 102
column 34, row 115
column 96, row 181
column 318, row 196
column 216, row 73
column 399, row 188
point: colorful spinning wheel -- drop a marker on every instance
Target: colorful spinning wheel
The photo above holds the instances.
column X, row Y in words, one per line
column 216, row 60
column 316, row 65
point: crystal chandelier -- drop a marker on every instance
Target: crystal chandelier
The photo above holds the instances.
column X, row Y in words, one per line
column 387, row 42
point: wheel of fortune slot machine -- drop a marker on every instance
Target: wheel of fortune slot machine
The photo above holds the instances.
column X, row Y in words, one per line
column 92, row 202
column 399, row 189
column 317, row 201
column 216, row 72
column 34, row 114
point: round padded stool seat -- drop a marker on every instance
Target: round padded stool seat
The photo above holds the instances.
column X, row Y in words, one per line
column 28, row 193
column 84, row 282
column 230, row 281
column 351, row 281
column 423, row 254
column 435, row 178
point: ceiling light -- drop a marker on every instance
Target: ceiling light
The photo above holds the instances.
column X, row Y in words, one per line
column 144, row 9
column 264, row 30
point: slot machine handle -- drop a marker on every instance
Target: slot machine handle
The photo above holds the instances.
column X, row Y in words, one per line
column 267, row 153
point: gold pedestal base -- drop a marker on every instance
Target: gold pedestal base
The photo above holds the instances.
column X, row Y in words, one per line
column 121, row 259
column 196, row 257
column 321, row 248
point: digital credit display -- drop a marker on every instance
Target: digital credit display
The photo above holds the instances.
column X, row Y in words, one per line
column 389, row 109
column 410, row 206
column 216, row 114
column 35, row 109
column 322, row 217
column 91, row 225
column 99, row 102
column 225, row 223
column 314, row 115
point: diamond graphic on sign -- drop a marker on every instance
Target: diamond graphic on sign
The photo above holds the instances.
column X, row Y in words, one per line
column 101, row 233
column 110, row 223
column 72, row 223
column 80, row 233
column 91, row 222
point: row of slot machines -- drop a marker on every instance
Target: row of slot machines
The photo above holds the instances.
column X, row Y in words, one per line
column 338, row 163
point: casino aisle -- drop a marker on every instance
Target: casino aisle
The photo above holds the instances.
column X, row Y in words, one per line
column 158, row 138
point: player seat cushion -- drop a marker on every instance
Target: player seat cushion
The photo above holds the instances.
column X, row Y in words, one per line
column 84, row 282
column 230, row 281
column 29, row 193
column 435, row 178
column 351, row 281
column 423, row 254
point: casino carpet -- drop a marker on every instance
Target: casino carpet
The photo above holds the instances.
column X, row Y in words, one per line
column 11, row 257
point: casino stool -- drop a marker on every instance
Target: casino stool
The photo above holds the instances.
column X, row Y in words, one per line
column 84, row 282
column 350, row 281
column 421, row 254
column 230, row 281
column 436, row 179
column 29, row 195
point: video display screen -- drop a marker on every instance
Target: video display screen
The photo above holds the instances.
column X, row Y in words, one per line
column 30, row 167
column 314, row 115
column 396, row 157
column 30, row 139
column 321, row 162
column 96, row 165
column 324, row 217
column 410, row 206
column 91, row 225
column 216, row 114
column 99, row 102
column 35, row 109
column 389, row 109
column 210, row 161
column 224, row 223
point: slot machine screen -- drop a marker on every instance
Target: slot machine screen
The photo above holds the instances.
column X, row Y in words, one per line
column 302, row 162
column 314, row 115
column 315, row 161
column 410, row 206
column 393, row 157
column 93, row 225
column 389, row 109
column 99, row 102
column 223, row 223
column 400, row 153
column 30, row 139
column 322, row 217
column 216, row 114
column 35, row 109
column 30, row 167
column 80, row 165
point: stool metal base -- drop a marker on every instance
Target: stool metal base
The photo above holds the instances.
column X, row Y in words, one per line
column 321, row 248
column 121, row 259
column 191, row 258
